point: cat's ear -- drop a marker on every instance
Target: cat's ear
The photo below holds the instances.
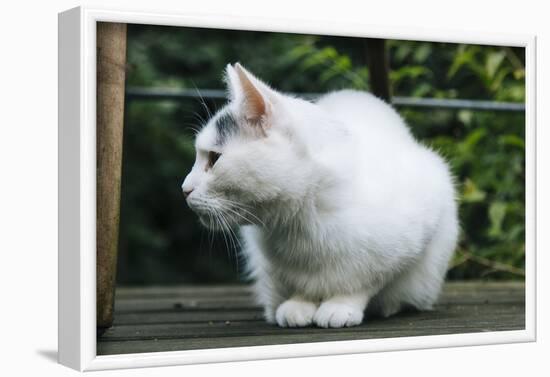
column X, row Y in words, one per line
column 253, row 97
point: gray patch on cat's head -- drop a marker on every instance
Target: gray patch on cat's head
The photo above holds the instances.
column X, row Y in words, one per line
column 226, row 126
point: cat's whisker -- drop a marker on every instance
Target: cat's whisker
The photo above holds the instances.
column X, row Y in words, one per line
column 234, row 207
column 232, row 232
column 219, row 210
column 202, row 101
column 198, row 118
column 233, row 202
column 195, row 128
column 246, row 219
column 233, row 238
column 224, row 227
column 210, row 232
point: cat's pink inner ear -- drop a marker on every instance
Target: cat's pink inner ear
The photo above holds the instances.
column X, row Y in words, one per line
column 255, row 105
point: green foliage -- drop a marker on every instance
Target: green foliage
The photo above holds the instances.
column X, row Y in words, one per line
column 161, row 241
column 486, row 149
column 331, row 68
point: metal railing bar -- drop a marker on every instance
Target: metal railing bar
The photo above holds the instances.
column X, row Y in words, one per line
column 458, row 104
column 468, row 104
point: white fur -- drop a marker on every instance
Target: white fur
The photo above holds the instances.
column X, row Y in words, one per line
column 339, row 206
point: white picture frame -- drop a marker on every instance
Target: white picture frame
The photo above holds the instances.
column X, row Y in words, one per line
column 77, row 191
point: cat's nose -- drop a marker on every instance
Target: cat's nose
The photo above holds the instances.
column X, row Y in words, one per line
column 186, row 193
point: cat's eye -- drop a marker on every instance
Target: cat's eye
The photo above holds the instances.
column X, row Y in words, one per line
column 213, row 158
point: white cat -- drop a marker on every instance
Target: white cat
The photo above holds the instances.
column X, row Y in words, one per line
column 339, row 206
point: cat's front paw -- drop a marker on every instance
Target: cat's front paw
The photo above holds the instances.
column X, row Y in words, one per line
column 295, row 313
column 332, row 314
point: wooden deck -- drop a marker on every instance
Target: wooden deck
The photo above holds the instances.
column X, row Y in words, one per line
column 189, row 317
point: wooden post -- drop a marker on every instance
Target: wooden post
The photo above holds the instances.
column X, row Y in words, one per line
column 378, row 63
column 111, row 72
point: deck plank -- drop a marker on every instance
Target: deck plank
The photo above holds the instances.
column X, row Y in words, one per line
column 149, row 319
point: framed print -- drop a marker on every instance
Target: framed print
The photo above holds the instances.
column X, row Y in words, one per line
column 237, row 189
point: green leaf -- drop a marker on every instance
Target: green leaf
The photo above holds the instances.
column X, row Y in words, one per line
column 465, row 116
column 472, row 139
column 471, row 193
column 300, row 51
column 493, row 62
column 411, row 71
column 497, row 212
column 422, row 53
column 512, row 140
column 464, row 55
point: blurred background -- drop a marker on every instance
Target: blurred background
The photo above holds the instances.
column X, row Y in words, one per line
column 169, row 68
